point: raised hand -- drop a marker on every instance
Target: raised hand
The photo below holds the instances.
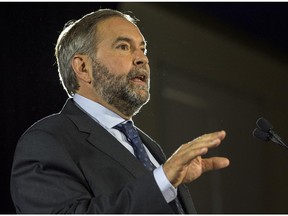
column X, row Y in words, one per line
column 187, row 164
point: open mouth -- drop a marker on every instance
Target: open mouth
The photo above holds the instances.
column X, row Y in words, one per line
column 142, row 78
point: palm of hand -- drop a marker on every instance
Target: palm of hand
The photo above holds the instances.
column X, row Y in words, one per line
column 193, row 170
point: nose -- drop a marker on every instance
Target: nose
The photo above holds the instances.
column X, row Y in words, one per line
column 140, row 59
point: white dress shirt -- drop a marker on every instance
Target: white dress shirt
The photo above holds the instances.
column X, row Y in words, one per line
column 108, row 119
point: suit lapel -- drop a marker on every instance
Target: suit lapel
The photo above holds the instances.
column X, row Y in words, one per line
column 153, row 147
column 186, row 199
column 102, row 139
column 109, row 145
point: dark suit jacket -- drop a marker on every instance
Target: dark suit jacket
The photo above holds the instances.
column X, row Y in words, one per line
column 67, row 163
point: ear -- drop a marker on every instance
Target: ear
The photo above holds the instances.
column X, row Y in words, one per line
column 81, row 65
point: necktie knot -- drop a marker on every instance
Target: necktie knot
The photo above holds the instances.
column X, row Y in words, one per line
column 128, row 129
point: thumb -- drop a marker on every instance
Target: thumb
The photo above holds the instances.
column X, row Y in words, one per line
column 214, row 163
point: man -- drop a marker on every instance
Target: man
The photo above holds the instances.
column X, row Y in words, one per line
column 82, row 160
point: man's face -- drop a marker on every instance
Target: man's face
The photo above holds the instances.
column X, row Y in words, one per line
column 121, row 74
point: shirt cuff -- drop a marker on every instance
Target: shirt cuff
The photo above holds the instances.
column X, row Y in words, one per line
column 167, row 189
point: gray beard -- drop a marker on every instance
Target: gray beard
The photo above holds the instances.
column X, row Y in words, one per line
column 118, row 91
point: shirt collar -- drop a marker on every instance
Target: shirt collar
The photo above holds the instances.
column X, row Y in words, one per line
column 101, row 114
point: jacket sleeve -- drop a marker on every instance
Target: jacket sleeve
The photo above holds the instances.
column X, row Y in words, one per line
column 45, row 179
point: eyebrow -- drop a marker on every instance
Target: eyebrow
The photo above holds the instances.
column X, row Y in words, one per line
column 128, row 40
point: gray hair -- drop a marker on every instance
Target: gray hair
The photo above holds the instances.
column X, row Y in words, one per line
column 79, row 37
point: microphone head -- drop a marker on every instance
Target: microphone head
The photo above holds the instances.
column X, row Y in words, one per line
column 262, row 135
column 264, row 124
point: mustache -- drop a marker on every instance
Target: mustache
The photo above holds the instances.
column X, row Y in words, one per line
column 141, row 72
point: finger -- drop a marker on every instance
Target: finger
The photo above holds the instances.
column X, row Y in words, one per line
column 219, row 134
column 211, row 143
column 207, row 140
column 199, row 147
column 214, row 163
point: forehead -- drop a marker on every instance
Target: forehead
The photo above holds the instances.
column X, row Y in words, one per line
column 116, row 27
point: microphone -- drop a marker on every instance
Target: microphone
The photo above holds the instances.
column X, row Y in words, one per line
column 264, row 124
column 264, row 132
column 261, row 135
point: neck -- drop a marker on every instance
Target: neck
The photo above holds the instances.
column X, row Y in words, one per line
column 105, row 104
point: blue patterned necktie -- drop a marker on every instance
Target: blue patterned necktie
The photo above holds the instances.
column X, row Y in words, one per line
column 136, row 143
column 140, row 152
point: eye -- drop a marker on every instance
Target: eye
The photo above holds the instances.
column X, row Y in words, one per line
column 123, row 47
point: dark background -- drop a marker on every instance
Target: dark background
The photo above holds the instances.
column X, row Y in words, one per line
column 214, row 66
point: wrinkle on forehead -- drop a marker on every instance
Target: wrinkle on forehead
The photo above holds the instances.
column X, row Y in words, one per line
column 118, row 27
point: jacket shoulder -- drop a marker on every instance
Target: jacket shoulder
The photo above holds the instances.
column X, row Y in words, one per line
column 57, row 122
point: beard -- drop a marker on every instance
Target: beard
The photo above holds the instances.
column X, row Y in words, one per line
column 118, row 90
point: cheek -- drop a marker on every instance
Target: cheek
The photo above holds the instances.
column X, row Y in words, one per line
column 118, row 65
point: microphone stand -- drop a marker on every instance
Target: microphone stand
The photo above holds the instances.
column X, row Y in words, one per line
column 277, row 139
